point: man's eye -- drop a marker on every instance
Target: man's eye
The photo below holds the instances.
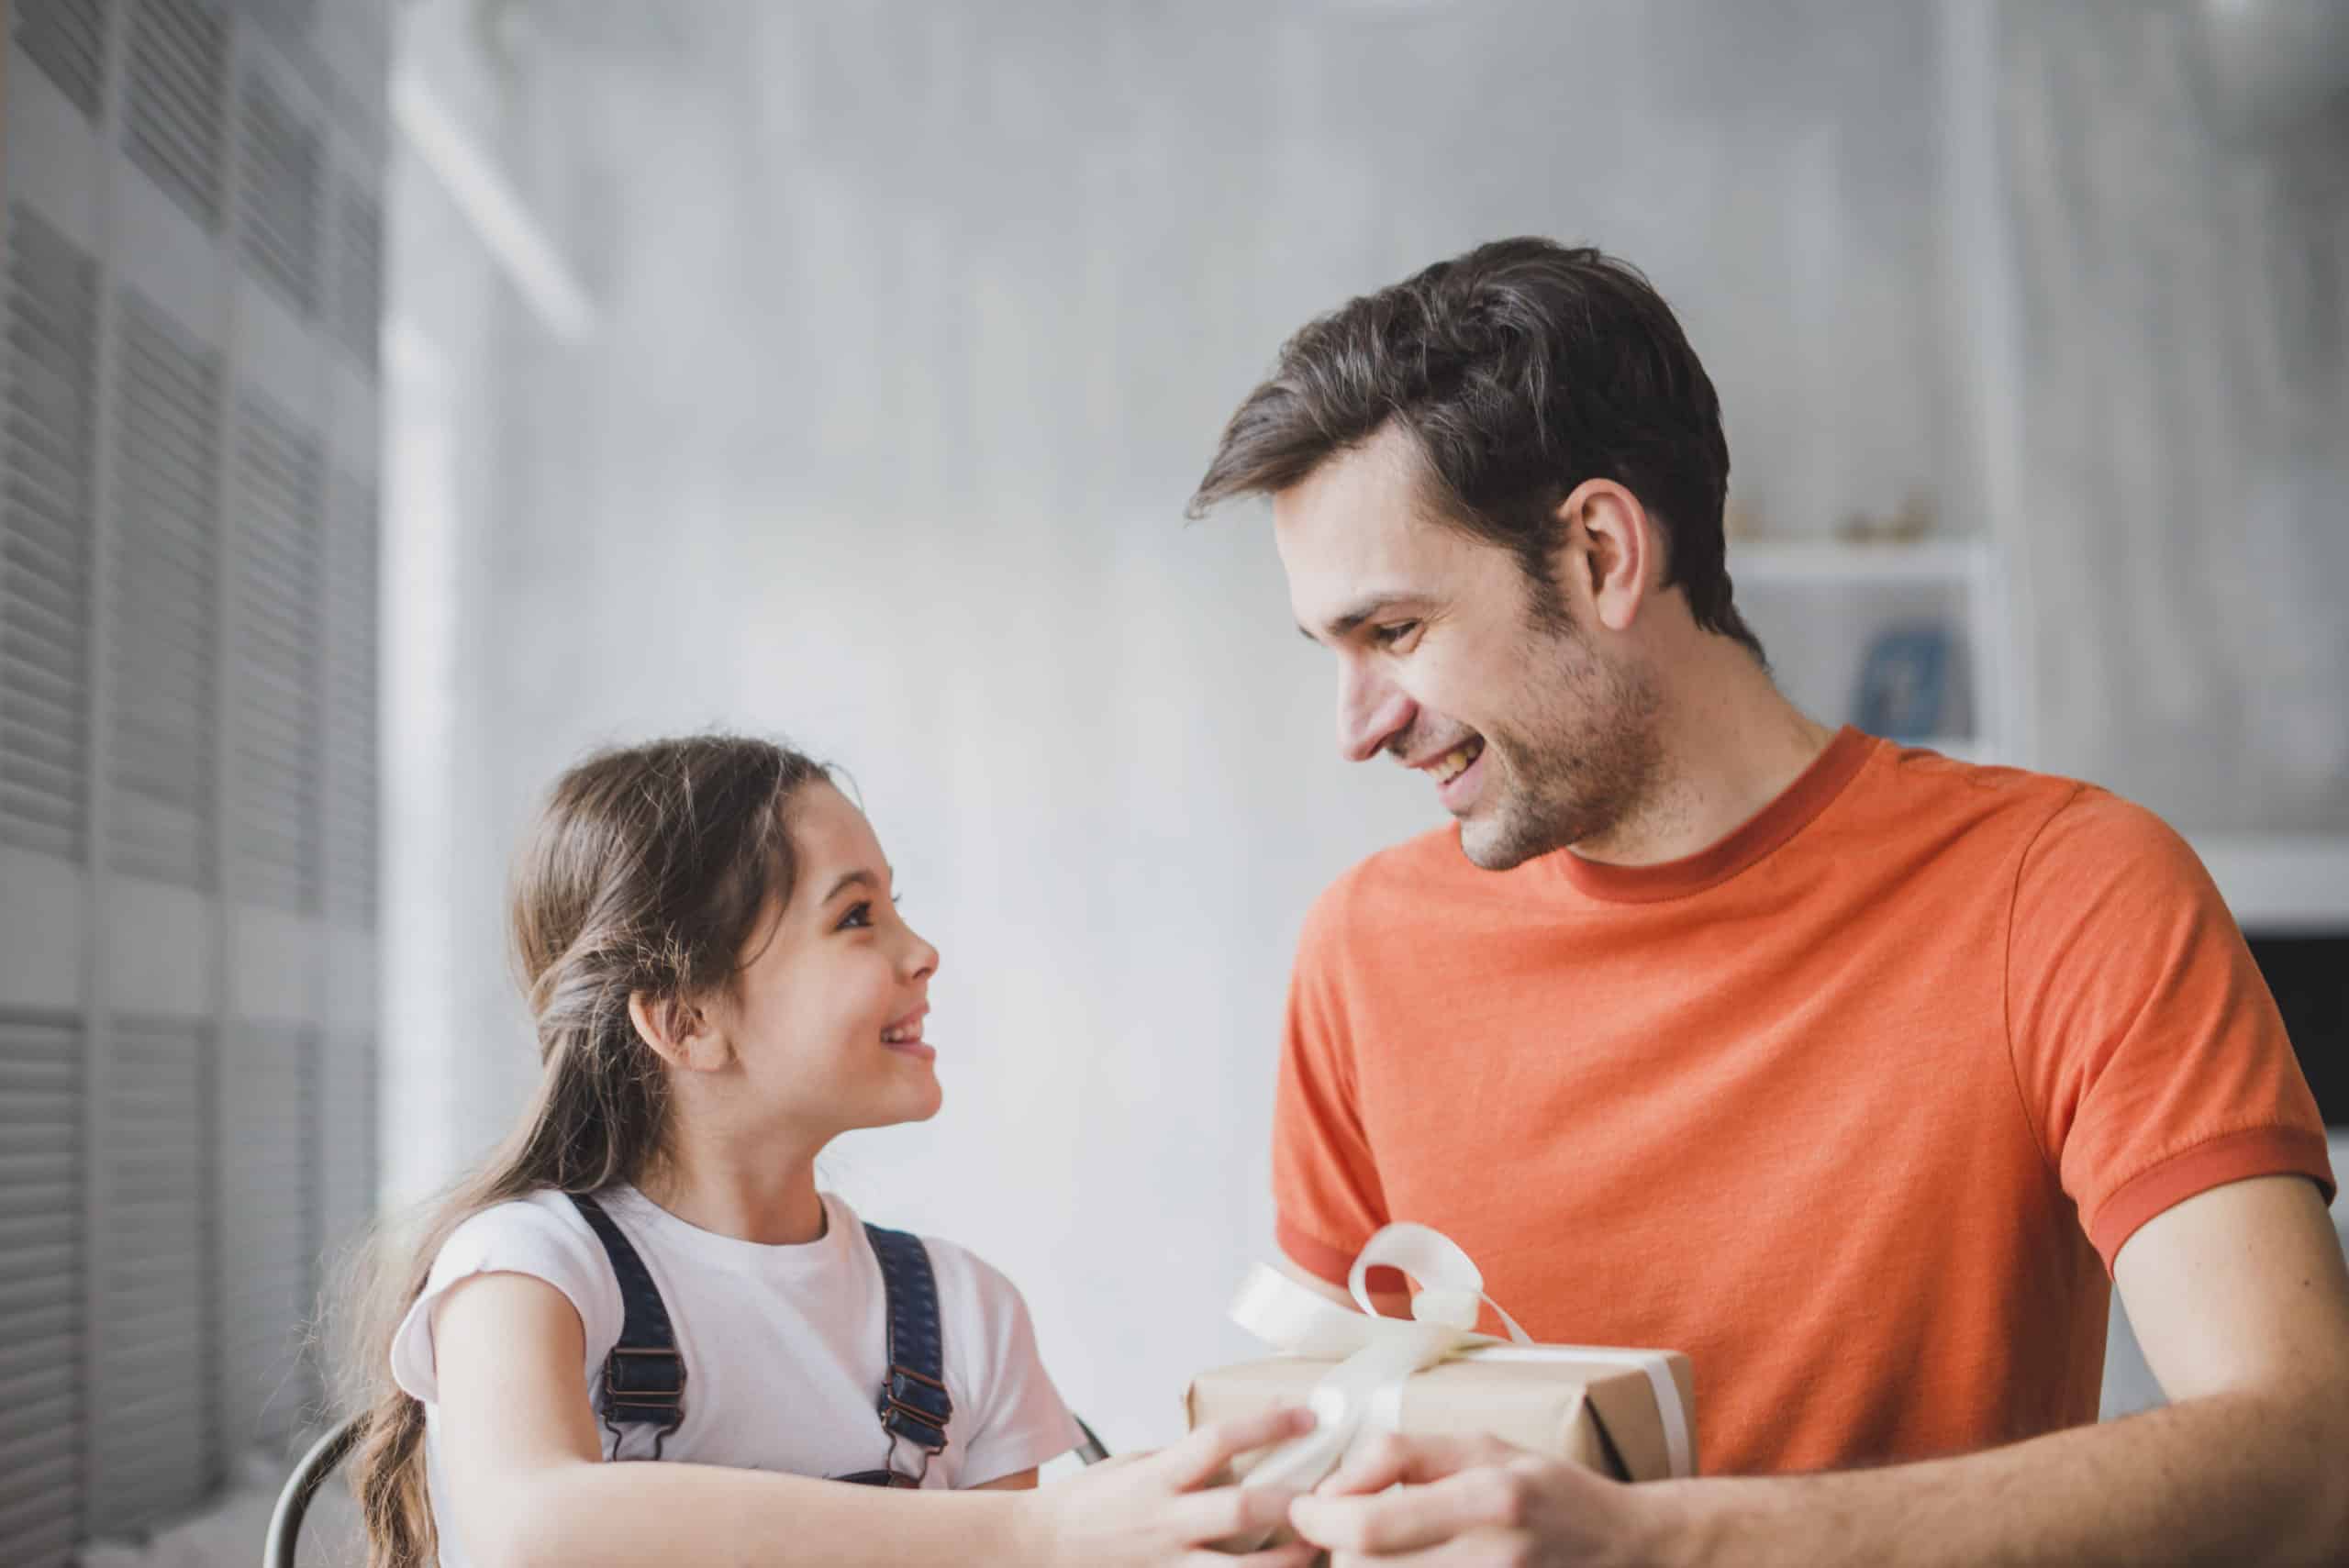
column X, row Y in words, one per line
column 1389, row 635
column 859, row 916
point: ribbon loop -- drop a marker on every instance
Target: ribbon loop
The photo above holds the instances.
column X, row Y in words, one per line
column 1422, row 1252
column 1451, row 1308
column 1376, row 1356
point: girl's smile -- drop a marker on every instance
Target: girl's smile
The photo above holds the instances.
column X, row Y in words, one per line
column 906, row 1035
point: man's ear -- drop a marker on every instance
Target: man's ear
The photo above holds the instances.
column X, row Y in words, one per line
column 1610, row 548
column 681, row 1032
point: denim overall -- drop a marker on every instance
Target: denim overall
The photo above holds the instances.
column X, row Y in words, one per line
column 644, row 1377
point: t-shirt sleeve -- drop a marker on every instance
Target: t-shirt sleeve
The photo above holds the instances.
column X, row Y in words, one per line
column 1016, row 1419
column 520, row 1238
column 1326, row 1195
column 2150, row 1054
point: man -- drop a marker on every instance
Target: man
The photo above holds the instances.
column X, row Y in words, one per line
column 1855, row 1072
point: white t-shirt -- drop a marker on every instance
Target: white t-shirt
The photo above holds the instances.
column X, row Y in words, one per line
column 785, row 1347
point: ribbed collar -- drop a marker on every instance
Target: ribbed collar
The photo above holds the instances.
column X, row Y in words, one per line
column 1793, row 810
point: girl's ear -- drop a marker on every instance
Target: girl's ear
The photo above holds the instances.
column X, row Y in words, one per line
column 682, row 1033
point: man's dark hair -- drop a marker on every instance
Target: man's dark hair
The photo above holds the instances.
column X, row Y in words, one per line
column 1519, row 370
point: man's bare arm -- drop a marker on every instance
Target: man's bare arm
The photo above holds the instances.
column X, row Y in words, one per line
column 2241, row 1301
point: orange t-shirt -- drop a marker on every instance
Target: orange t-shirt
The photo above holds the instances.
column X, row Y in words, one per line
column 1854, row 1107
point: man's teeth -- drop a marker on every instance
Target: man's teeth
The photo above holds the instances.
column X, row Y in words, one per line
column 899, row 1034
column 1455, row 762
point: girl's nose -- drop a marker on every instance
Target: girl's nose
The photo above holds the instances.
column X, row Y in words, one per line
column 921, row 959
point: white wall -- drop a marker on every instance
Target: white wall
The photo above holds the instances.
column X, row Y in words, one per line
column 2182, row 250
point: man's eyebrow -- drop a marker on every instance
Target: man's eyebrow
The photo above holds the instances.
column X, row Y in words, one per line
column 1364, row 609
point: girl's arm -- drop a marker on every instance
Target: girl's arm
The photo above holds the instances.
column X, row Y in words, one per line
column 527, row 1483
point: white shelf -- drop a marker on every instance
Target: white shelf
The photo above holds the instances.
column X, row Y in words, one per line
column 2278, row 883
column 1758, row 562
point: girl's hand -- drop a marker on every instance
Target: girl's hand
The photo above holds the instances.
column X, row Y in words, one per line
column 1148, row 1510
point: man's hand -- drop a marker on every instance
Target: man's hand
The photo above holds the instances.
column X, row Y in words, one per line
column 1151, row 1510
column 1476, row 1502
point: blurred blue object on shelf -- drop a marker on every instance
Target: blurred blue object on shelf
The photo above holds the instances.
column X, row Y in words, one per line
column 1904, row 682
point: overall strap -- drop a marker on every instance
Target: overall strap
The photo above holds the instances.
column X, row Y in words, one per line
column 914, row 1403
column 644, row 1377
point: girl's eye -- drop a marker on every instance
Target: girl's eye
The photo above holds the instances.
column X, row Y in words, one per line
column 1389, row 635
column 859, row 913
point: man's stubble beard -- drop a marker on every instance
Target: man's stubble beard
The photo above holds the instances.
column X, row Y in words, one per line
column 1588, row 762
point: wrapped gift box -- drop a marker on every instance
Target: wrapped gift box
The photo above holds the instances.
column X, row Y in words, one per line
column 1553, row 1399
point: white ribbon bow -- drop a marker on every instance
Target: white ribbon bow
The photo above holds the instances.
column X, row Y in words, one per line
column 1363, row 1392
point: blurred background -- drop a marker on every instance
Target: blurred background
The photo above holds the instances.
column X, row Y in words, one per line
column 402, row 398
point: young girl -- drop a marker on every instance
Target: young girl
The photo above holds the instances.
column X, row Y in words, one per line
column 646, row 1270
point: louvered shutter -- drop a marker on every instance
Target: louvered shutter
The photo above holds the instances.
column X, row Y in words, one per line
column 268, row 1234
column 45, row 545
column 359, row 277
column 347, row 1067
column 67, row 40
column 280, row 194
column 152, row 1379
column 165, row 604
column 189, row 286
column 279, row 585
column 175, row 118
column 42, row 1263
column 288, row 21
column 352, row 586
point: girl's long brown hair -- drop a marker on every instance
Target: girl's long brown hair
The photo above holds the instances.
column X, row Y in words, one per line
column 649, row 871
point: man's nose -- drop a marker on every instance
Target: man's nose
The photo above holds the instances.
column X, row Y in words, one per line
column 1370, row 711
